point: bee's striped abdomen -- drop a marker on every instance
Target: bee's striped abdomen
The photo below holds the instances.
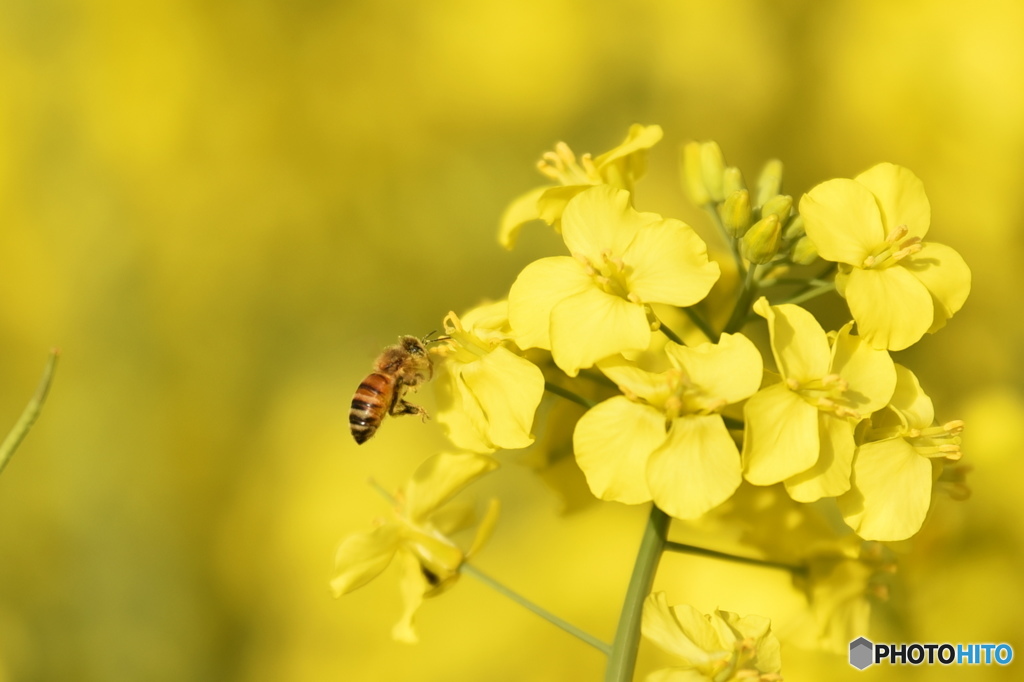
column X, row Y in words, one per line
column 372, row 399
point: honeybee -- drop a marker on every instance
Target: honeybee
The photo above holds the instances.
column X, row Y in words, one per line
column 405, row 365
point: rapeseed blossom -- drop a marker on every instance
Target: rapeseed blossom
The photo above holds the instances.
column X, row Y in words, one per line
column 801, row 429
column 418, row 534
column 665, row 439
column 594, row 303
column 898, row 286
column 902, row 453
column 620, row 167
column 718, row 647
column 487, row 394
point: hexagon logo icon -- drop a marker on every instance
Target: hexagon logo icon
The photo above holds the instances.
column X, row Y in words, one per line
column 861, row 653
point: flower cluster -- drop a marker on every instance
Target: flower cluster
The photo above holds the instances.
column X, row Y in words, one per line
column 818, row 414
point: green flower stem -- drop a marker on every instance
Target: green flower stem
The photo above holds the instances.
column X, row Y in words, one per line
column 568, row 395
column 622, row 661
column 812, row 293
column 701, row 551
column 746, row 297
column 603, row 647
column 701, row 324
column 670, row 334
column 30, row 413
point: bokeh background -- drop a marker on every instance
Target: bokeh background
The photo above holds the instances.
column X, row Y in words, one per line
column 221, row 211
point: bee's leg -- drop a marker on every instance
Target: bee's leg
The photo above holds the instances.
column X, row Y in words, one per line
column 402, row 407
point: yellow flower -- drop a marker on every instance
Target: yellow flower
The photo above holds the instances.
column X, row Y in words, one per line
column 592, row 305
column 487, row 395
column 897, row 286
column 800, row 430
column 418, row 534
column 840, row 589
column 719, row 647
column 620, row 167
column 894, row 469
column 667, row 441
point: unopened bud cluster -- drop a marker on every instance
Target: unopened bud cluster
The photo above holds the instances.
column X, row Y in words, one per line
column 763, row 221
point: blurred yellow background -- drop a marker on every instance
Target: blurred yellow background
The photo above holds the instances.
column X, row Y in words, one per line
column 222, row 211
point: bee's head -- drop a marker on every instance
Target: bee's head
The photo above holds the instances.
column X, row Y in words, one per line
column 413, row 345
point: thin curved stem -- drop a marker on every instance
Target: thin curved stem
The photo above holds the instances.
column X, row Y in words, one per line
column 30, row 413
column 812, row 293
column 682, row 548
column 622, row 660
column 701, row 324
column 568, row 395
column 670, row 334
column 565, row 625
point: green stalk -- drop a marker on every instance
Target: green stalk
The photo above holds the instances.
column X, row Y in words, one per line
column 30, row 413
column 812, row 293
column 701, row 324
column 603, row 647
column 622, row 661
column 670, row 334
column 701, row 551
column 568, row 395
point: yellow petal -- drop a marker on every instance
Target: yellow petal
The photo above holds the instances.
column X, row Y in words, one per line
column 892, row 491
column 639, row 138
column 508, row 389
column 593, row 325
column 551, row 204
column 412, row 586
column 893, row 309
column 729, row 371
column 601, row 220
column 830, row 475
column 486, row 527
column 612, row 442
column 696, row 468
column 900, row 196
column 843, row 220
column 781, row 437
column 668, row 263
column 910, row 401
column 799, row 344
column 540, row 286
column 870, row 373
column 440, row 478
column 437, row 556
column 946, row 276
column 488, row 321
column 459, row 412
column 654, row 388
column 362, row 557
column 681, row 630
column 522, row 210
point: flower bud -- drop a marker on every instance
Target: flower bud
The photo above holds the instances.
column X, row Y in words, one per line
column 732, row 180
column 769, row 183
column 712, row 165
column 779, row 205
column 804, row 251
column 761, row 242
column 735, row 213
column 795, row 228
column 693, row 177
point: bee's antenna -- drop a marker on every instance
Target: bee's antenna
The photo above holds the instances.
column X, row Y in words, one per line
column 437, row 340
